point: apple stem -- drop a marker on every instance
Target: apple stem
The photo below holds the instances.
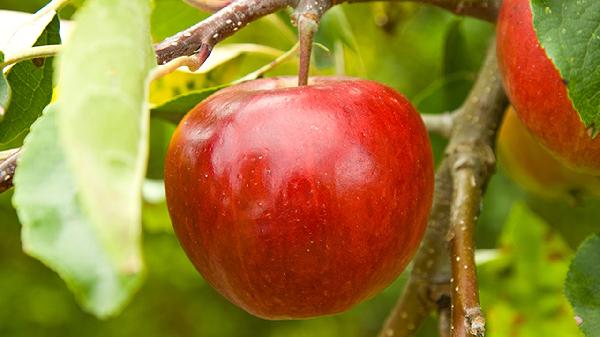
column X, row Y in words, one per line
column 7, row 171
column 307, row 15
column 306, row 32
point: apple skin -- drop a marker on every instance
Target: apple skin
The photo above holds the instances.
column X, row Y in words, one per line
column 296, row 202
column 538, row 93
column 529, row 164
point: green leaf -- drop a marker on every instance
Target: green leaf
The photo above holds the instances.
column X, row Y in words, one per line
column 102, row 122
column 174, row 110
column 5, row 91
column 31, row 85
column 56, row 228
column 583, row 285
column 569, row 32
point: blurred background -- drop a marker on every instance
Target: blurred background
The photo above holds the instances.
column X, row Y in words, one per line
column 525, row 242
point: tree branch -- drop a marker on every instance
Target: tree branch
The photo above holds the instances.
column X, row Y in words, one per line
column 439, row 123
column 472, row 163
column 481, row 9
column 7, row 171
column 470, row 151
column 202, row 37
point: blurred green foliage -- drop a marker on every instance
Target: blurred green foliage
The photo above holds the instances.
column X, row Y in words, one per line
column 429, row 55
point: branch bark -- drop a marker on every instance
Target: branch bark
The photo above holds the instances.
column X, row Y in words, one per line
column 481, row 9
column 202, row 37
column 439, row 123
column 460, row 181
column 472, row 163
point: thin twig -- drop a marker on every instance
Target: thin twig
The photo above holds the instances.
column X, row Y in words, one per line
column 439, row 123
column 202, row 37
column 269, row 66
column 7, row 171
column 193, row 63
column 32, row 53
column 472, row 163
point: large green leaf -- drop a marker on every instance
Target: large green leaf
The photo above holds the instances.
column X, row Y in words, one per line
column 31, row 84
column 103, row 118
column 583, row 285
column 102, row 123
column 56, row 228
column 570, row 33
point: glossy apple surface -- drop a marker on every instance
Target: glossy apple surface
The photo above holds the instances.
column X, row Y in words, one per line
column 538, row 93
column 296, row 202
column 535, row 169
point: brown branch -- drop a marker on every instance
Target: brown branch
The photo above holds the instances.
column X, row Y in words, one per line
column 7, row 171
column 470, row 150
column 202, row 37
column 481, row 9
column 444, row 320
column 472, row 163
column 439, row 123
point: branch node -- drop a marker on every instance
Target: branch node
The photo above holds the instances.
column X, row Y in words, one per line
column 475, row 321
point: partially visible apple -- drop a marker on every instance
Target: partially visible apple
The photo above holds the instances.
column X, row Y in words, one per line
column 209, row 5
column 296, row 202
column 534, row 168
column 538, row 92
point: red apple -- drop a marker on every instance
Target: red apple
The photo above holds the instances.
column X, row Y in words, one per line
column 538, row 92
column 535, row 169
column 209, row 5
column 296, row 202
